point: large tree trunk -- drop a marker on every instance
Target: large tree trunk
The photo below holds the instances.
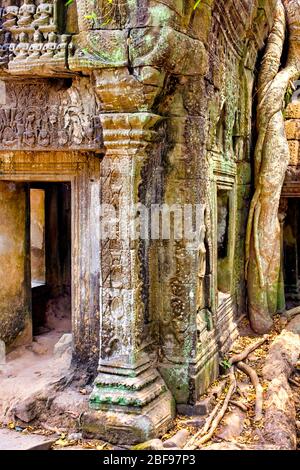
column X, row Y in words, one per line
column 271, row 161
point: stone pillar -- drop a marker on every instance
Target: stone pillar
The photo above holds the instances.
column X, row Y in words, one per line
column 15, row 314
column 130, row 400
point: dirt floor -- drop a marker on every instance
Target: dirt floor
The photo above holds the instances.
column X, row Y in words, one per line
column 238, row 428
column 31, row 369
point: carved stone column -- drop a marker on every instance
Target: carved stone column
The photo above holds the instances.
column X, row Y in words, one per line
column 130, row 400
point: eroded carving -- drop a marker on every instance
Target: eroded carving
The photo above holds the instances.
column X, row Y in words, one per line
column 30, row 38
column 37, row 115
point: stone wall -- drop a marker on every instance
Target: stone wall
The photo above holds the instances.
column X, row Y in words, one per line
column 174, row 88
column 14, row 267
column 292, row 127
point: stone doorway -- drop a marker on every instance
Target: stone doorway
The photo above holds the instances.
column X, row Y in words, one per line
column 60, row 193
column 50, row 256
column 70, row 184
column 36, row 238
column 291, row 251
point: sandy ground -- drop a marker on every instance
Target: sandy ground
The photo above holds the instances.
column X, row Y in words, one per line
column 31, row 369
column 12, row 440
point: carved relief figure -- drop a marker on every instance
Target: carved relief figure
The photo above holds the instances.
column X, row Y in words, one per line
column 10, row 17
column 50, row 47
column 21, row 49
column 35, row 50
column 26, row 12
column 73, row 123
column 4, row 49
column 44, row 15
column 29, row 135
column 44, row 137
column 62, row 47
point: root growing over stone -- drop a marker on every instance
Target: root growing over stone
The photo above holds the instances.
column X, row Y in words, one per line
column 258, row 388
column 271, row 160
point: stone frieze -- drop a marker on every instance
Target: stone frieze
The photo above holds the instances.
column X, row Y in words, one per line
column 43, row 115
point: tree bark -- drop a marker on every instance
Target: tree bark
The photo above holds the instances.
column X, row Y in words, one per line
column 271, row 160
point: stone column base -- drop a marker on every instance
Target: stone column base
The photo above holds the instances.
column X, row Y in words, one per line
column 130, row 425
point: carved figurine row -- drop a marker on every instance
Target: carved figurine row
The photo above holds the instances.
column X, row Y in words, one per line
column 52, row 127
column 55, row 47
column 29, row 17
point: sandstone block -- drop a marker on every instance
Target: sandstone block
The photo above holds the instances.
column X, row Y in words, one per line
column 27, row 410
column 293, row 111
column 153, row 444
column 178, row 440
column 292, row 129
column 63, row 345
column 294, row 152
column 201, row 408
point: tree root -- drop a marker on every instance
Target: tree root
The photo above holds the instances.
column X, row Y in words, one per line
column 294, row 382
column 271, row 159
column 280, row 409
column 214, row 419
column 258, row 388
column 217, row 414
column 239, row 404
column 292, row 313
column 252, row 347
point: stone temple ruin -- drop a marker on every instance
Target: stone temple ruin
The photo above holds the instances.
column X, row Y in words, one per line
column 123, row 106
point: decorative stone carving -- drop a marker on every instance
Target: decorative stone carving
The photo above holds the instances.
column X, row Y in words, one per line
column 35, row 50
column 35, row 40
column 25, row 13
column 127, row 378
column 36, row 116
column 5, row 48
column 200, row 300
column 21, row 49
column 10, row 16
column 62, row 47
column 44, row 16
column 50, row 47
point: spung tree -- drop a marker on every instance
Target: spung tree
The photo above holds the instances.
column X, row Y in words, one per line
column 271, row 159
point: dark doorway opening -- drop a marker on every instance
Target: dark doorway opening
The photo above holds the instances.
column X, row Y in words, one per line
column 291, row 252
column 223, row 235
column 50, row 253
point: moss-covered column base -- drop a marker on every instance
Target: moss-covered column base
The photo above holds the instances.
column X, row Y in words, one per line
column 128, row 405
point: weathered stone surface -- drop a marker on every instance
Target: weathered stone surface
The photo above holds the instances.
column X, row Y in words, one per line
column 153, row 444
column 14, row 269
column 27, row 410
column 64, row 345
column 178, row 440
column 200, row 408
column 117, row 426
column 12, row 440
column 280, row 415
column 163, row 93
column 232, row 426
